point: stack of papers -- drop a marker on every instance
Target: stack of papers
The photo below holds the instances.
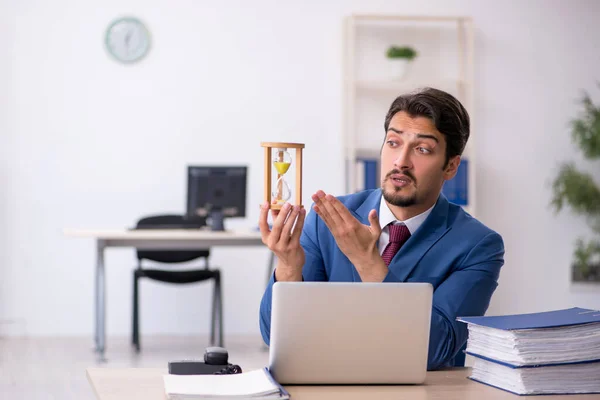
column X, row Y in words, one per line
column 543, row 353
column 561, row 379
column 258, row 384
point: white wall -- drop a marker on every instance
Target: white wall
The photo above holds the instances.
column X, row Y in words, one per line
column 89, row 143
column 534, row 62
column 5, row 102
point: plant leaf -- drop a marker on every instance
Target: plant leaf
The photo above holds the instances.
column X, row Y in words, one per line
column 585, row 130
column 576, row 189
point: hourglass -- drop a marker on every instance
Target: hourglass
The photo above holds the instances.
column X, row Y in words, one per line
column 278, row 157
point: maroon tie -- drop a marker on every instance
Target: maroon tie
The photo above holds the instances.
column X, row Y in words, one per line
column 399, row 234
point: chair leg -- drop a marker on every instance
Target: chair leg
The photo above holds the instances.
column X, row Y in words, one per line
column 136, row 327
column 213, row 314
column 221, row 344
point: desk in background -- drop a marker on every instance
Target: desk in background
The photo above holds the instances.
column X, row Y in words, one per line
column 147, row 384
column 155, row 239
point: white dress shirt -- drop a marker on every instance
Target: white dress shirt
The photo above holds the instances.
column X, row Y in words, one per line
column 386, row 217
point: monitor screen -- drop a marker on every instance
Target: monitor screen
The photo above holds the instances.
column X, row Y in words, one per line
column 216, row 188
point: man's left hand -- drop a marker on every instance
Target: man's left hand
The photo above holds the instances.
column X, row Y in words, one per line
column 355, row 239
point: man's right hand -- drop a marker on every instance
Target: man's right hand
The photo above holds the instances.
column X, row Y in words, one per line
column 284, row 239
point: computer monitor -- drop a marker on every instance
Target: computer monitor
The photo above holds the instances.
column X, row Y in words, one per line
column 216, row 193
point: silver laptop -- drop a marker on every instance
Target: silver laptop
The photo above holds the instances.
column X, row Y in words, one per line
column 350, row 333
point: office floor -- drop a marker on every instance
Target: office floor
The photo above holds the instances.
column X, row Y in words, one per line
column 54, row 368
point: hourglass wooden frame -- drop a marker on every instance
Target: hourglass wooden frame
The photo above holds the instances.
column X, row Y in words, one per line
column 269, row 146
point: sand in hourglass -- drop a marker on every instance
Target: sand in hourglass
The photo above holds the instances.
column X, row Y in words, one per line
column 281, row 167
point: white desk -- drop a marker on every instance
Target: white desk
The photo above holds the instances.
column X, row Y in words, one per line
column 171, row 239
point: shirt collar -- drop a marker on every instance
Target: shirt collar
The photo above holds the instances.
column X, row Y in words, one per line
column 386, row 217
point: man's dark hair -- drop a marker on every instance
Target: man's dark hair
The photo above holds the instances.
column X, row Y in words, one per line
column 444, row 110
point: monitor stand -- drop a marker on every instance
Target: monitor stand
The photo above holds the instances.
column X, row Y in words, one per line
column 217, row 221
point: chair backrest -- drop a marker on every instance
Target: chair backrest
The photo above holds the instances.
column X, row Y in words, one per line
column 168, row 256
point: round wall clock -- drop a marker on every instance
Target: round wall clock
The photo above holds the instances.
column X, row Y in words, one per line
column 127, row 40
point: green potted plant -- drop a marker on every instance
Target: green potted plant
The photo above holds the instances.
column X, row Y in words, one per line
column 401, row 58
column 579, row 191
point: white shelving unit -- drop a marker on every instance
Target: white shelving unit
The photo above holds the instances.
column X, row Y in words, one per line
column 444, row 61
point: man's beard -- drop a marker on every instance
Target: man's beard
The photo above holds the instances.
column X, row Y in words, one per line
column 396, row 198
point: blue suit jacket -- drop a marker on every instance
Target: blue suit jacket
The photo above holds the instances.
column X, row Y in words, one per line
column 453, row 251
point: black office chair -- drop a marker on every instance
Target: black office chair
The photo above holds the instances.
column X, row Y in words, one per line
column 175, row 277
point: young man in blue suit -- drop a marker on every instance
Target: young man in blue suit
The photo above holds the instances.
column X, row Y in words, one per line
column 406, row 231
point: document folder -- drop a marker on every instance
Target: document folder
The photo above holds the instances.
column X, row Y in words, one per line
column 540, row 353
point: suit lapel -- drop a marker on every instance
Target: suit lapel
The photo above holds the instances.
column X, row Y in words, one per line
column 432, row 230
column 370, row 203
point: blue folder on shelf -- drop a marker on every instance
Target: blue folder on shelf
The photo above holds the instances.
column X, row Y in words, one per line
column 367, row 173
column 456, row 189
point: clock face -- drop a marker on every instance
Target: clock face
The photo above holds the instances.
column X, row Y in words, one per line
column 127, row 40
